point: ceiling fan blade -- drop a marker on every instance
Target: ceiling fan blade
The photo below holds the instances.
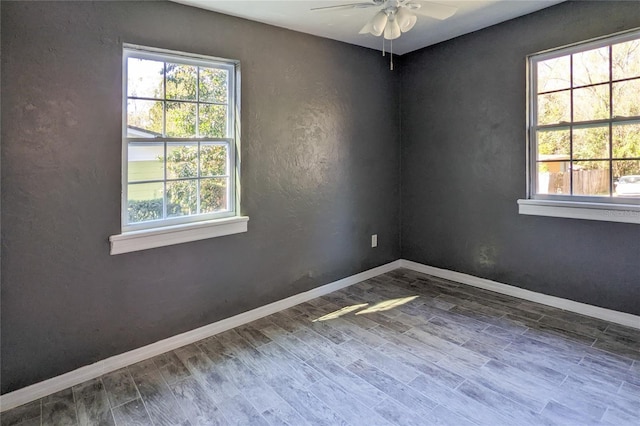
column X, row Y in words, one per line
column 366, row 29
column 346, row 6
column 432, row 10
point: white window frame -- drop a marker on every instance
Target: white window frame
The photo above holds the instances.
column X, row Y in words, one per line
column 602, row 208
column 169, row 231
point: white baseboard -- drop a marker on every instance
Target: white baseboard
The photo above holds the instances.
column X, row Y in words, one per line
column 617, row 317
column 75, row 377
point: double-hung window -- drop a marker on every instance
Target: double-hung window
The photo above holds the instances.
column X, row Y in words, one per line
column 584, row 127
column 180, row 136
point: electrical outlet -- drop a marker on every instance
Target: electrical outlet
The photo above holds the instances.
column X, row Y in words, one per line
column 374, row 240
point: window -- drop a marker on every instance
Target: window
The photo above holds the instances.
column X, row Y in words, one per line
column 585, row 122
column 180, row 115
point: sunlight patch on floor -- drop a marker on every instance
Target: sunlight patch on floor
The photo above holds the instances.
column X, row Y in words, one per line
column 378, row 307
column 387, row 305
column 340, row 312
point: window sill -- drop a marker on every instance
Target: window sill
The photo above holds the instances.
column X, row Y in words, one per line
column 626, row 213
column 177, row 234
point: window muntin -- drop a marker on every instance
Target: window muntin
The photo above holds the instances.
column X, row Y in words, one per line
column 179, row 138
column 585, row 121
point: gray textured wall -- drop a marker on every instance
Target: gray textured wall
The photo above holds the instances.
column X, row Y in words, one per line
column 320, row 154
column 463, row 165
column 320, row 174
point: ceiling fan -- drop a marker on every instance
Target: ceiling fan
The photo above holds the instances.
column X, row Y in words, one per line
column 396, row 16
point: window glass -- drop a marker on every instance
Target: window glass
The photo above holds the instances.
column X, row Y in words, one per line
column 585, row 127
column 145, row 78
column 178, row 138
column 626, row 60
column 554, row 74
column 591, row 67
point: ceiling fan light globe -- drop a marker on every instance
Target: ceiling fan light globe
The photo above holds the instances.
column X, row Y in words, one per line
column 406, row 19
column 410, row 24
column 378, row 23
column 392, row 30
column 402, row 16
column 376, row 33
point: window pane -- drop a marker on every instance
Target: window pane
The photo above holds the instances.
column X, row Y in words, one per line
column 182, row 198
column 181, row 119
column 181, row 82
column 146, row 161
column 213, row 85
column 182, row 160
column 213, row 121
column 554, row 74
column 626, row 178
column 553, row 178
column 591, row 103
column 213, row 195
column 144, row 119
column 213, row 160
column 591, row 67
column 591, row 143
column 626, row 60
column 626, row 98
column 144, row 78
column 591, row 178
column 144, row 201
column 553, row 144
column 626, row 141
column 554, row 107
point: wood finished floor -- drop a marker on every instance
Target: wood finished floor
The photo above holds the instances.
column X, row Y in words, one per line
column 401, row 349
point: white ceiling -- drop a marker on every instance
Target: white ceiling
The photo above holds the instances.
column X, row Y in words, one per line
column 344, row 24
